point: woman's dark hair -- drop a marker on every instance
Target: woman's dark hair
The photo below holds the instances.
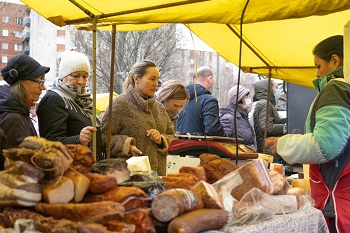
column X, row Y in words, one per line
column 139, row 69
column 326, row 48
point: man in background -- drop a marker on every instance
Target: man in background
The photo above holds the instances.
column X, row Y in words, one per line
column 201, row 114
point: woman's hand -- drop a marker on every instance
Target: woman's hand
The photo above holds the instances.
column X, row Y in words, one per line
column 155, row 136
column 86, row 135
column 134, row 151
column 272, row 143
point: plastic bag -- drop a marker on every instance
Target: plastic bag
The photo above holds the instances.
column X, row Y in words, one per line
column 249, row 210
column 148, row 181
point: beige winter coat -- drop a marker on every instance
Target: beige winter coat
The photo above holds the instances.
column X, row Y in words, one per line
column 132, row 116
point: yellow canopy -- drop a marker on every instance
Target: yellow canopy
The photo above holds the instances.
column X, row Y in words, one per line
column 279, row 34
column 102, row 101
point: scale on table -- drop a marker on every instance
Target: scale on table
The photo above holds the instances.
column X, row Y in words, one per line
column 225, row 147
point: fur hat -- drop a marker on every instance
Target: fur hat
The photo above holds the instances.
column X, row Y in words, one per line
column 232, row 93
column 22, row 67
column 72, row 61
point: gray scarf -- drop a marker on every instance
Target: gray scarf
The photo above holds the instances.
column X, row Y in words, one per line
column 73, row 96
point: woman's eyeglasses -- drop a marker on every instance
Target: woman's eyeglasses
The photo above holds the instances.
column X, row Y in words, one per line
column 40, row 83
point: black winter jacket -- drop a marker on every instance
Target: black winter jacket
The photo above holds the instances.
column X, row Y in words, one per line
column 62, row 121
column 14, row 121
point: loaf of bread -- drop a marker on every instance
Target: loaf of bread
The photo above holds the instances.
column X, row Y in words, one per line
column 180, row 180
column 253, row 174
column 198, row 171
column 209, row 195
column 216, row 167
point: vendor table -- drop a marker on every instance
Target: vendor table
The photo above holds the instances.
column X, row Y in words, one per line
column 309, row 220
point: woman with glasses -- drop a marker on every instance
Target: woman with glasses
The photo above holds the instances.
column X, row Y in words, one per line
column 65, row 112
column 25, row 77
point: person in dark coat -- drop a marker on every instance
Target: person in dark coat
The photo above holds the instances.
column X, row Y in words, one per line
column 227, row 115
column 274, row 125
column 65, row 112
column 25, row 77
column 201, row 114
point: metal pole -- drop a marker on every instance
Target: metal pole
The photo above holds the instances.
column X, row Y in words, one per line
column 94, row 85
column 108, row 149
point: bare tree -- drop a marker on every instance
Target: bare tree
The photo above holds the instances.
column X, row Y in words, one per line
column 160, row 45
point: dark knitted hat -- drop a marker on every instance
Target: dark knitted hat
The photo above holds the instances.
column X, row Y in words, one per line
column 22, row 67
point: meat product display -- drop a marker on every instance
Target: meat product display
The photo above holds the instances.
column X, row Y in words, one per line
column 53, row 158
column 216, row 167
column 129, row 197
column 26, row 172
column 183, row 180
column 142, row 219
column 48, row 224
column 15, row 181
column 97, row 212
column 198, row 221
column 253, row 174
column 17, row 197
column 209, row 195
column 101, row 183
column 58, row 190
column 280, row 185
column 80, row 182
column 19, row 188
column 198, row 171
column 113, row 167
column 83, row 158
column 174, row 202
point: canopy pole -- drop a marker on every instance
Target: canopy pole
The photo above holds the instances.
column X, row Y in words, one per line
column 267, row 109
column 94, row 85
column 111, row 88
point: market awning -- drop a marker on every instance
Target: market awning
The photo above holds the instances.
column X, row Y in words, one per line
column 278, row 35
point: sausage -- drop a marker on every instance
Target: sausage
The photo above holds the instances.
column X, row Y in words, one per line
column 174, row 202
column 198, row 221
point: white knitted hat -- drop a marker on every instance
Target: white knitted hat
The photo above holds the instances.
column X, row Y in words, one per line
column 72, row 61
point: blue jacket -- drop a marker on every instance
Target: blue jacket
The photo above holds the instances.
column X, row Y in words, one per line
column 202, row 115
column 244, row 129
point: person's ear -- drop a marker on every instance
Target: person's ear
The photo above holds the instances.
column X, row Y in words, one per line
column 336, row 61
column 136, row 79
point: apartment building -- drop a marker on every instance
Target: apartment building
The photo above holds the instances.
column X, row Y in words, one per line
column 22, row 30
column 11, row 31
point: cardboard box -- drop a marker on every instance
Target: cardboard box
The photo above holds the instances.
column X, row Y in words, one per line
column 175, row 162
